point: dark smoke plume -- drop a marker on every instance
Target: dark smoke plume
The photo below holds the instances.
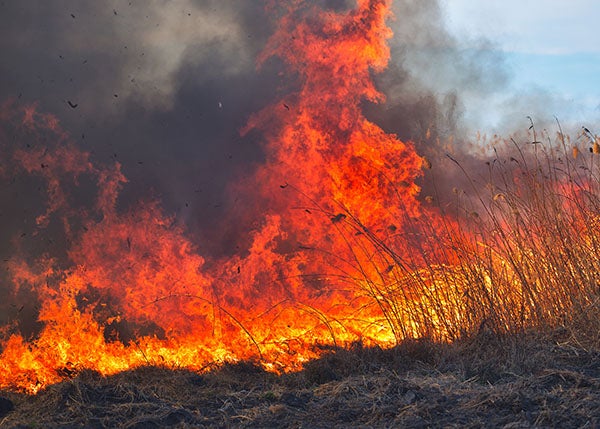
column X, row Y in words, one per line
column 163, row 88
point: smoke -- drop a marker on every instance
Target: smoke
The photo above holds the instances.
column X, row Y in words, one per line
column 430, row 80
column 164, row 88
column 161, row 87
column 88, row 52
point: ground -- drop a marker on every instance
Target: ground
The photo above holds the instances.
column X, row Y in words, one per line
column 518, row 382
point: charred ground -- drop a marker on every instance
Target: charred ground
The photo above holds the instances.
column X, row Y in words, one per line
column 486, row 381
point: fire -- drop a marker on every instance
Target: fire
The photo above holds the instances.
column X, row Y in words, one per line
column 322, row 141
column 339, row 249
column 132, row 289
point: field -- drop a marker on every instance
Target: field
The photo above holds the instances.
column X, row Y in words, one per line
column 494, row 311
column 345, row 278
column 512, row 382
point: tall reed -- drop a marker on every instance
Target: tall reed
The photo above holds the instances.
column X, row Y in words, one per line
column 518, row 250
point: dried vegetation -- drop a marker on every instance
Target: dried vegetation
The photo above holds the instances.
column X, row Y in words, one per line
column 507, row 325
column 487, row 381
column 517, row 249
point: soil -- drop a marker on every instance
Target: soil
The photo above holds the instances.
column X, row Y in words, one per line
column 517, row 382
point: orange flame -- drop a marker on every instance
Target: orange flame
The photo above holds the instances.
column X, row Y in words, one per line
column 134, row 289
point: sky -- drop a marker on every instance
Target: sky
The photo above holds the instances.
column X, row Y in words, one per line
column 550, row 47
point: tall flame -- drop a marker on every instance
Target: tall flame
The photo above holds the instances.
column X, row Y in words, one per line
column 133, row 289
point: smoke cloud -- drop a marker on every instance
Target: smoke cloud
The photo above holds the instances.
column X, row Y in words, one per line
column 164, row 88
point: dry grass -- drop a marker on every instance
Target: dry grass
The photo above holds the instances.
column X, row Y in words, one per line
column 531, row 382
column 496, row 309
column 518, row 250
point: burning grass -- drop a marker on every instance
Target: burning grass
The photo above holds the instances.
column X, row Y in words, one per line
column 340, row 248
column 488, row 381
column 494, row 312
column 516, row 250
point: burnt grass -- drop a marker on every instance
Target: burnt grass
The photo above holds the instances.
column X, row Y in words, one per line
column 488, row 381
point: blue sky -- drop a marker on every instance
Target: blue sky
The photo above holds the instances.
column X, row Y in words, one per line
column 551, row 47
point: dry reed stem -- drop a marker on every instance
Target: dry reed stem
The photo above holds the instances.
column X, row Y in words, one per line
column 527, row 259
